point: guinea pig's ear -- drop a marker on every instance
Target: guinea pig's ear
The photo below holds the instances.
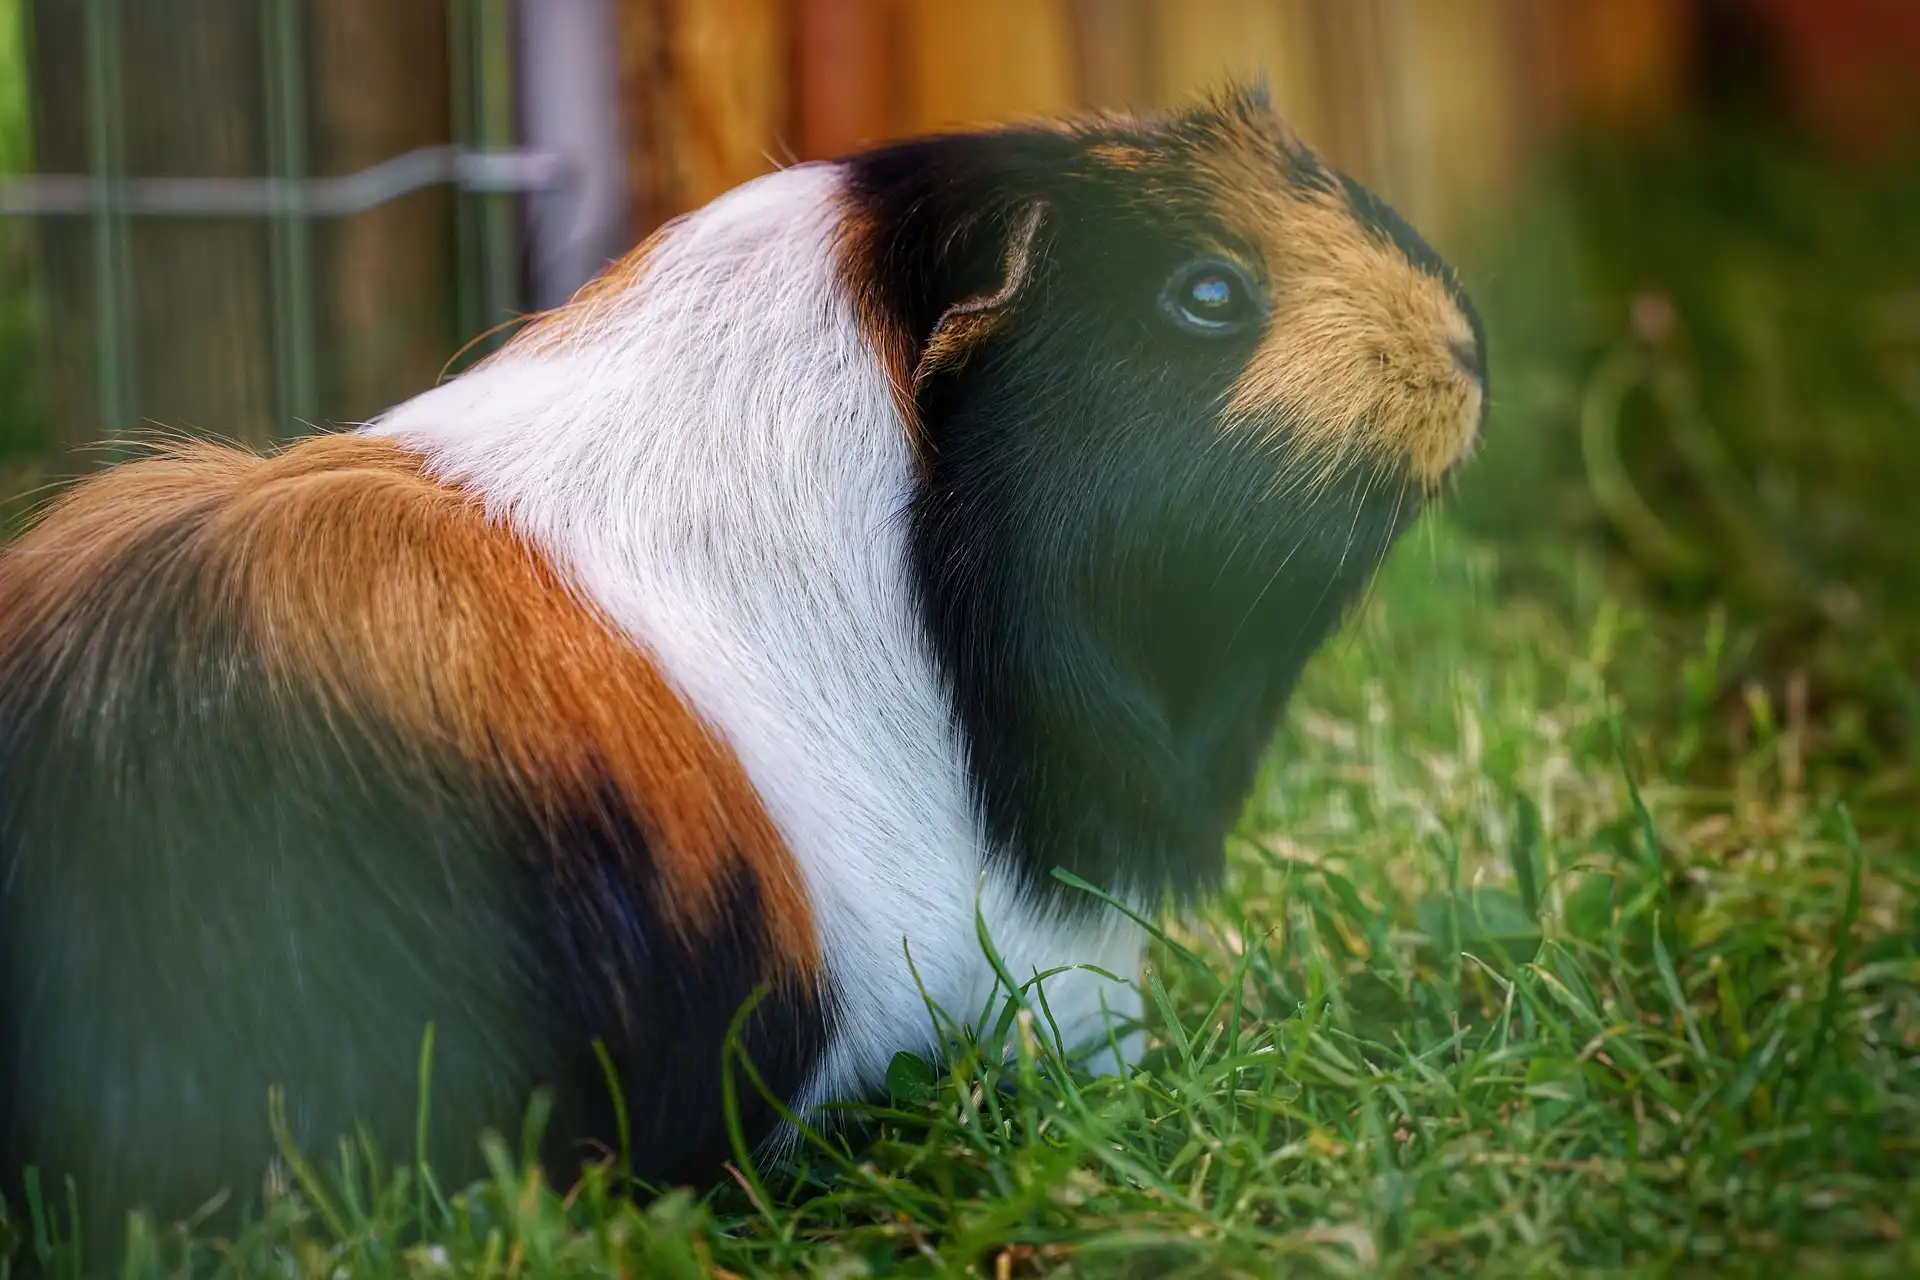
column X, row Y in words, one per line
column 966, row 324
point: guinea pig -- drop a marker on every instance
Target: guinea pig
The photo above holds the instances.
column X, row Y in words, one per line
column 870, row 544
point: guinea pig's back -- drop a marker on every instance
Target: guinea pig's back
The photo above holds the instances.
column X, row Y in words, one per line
column 315, row 720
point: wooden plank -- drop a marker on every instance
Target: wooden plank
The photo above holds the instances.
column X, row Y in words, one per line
column 379, row 86
column 1200, row 47
column 1114, row 50
column 1453, row 106
column 1432, row 101
column 1349, row 47
column 732, row 62
column 707, row 88
column 647, row 97
column 847, row 85
column 1612, row 62
column 986, row 60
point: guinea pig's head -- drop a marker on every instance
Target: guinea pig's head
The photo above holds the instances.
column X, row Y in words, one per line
column 1174, row 386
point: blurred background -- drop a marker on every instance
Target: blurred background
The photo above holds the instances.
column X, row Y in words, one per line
column 1694, row 226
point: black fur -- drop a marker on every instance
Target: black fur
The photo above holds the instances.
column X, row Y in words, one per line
column 169, row 816
column 1119, row 593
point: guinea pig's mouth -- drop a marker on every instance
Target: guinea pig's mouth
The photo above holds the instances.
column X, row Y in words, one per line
column 1399, row 418
column 1375, row 455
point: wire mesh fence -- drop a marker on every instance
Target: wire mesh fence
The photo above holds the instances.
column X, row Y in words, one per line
column 251, row 217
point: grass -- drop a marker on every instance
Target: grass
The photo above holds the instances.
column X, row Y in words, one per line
column 1574, row 924
column 1491, row 990
column 1712, row 372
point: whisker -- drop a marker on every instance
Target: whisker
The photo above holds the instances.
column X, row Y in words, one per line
column 1379, row 563
column 1252, row 608
column 1359, row 506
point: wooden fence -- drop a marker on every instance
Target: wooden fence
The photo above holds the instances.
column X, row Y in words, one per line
column 1436, row 103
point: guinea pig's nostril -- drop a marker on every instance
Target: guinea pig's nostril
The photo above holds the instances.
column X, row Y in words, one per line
column 1472, row 360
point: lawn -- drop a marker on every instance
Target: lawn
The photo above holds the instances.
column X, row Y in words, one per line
column 1575, row 922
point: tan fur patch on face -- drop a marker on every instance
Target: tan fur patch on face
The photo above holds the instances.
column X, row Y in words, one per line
column 893, row 347
column 1358, row 361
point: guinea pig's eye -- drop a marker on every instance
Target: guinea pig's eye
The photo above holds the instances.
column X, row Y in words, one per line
column 1210, row 298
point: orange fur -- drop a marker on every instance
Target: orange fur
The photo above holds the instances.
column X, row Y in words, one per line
column 552, row 329
column 893, row 346
column 394, row 597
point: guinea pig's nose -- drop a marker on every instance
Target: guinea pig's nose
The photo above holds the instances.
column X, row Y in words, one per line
column 1472, row 359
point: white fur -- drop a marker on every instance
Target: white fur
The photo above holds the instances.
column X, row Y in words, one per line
column 715, row 452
